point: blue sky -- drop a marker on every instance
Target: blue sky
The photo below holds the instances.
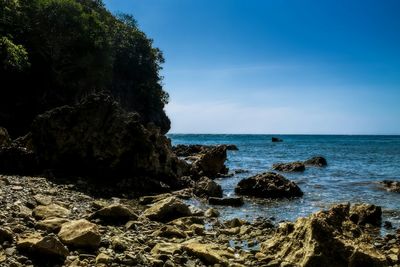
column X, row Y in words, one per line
column 283, row 66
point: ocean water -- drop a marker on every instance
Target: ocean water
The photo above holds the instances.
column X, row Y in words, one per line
column 356, row 164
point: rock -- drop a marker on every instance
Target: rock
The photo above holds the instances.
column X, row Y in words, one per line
column 166, row 248
column 99, row 139
column 170, row 231
column 116, row 213
column 226, row 201
column 103, row 258
column 363, row 214
column 206, row 187
column 209, row 253
column 391, row 186
column 6, row 234
column 52, row 210
column 187, row 221
column 211, row 212
column 167, row 210
column 211, row 163
column 276, row 139
column 49, row 245
column 189, row 150
column 145, row 200
column 51, row 224
column 80, row 233
column 326, row 238
column 316, row 161
column 268, row 185
column 289, row 167
column 4, row 137
column 42, row 199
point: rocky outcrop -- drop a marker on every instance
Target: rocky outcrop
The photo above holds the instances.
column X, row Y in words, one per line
column 211, row 163
column 276, row 139
column 167, row 210
column 326, row 238
column 268, row 185
column 391, row 186
column 80, row 233
column 98, row 138
column 316, row 162
column 193, row 150
column 4, row 137
column 289, row 167
column 363, row 214
column 206, row 187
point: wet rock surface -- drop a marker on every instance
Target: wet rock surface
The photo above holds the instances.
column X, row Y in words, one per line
column 317, row 161
column 289, row 167
column 391, row 186
column 268, row 185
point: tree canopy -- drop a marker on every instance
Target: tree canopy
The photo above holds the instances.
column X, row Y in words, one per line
column 54, row 52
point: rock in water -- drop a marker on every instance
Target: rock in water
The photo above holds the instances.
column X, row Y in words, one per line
column 268, row 185
column 391, row 186
column 316, row 161
column 167, row 210
column 98, row 138
column 289, row 167
column 206, row 187
column 276, row 139
column 211, row 163
column 326, row 238
column 80, row 233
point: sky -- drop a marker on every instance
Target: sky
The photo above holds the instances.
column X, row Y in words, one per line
column 282, row 66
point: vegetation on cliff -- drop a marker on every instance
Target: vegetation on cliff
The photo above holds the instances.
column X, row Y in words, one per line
column 54, row 52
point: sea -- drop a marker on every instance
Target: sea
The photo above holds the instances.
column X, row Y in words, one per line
column 356, row 165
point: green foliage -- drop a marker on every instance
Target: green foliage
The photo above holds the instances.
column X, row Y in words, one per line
column 66, row 49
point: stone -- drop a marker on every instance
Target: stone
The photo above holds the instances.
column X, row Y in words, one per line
column 226, row 201
column 103, row 258
column 42, row 199
column 37, row 244
column 276, row 139
column 326, row 238
column 211, row 212
column 363, row 214
column 117, row 213
column 316, row 162
column 80, row 233
column 170, row 231
column 268, row 185
column 209, row 253
column 167, row 210
column 206, row 187
column 52, row 210
column 51, row 224
column 289, row 167
column 166, row 248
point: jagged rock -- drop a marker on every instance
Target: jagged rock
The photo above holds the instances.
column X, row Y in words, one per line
column 289, row 167
column 4, row 137
column 170, row 231
column 97, row 138
column 366, row 214
column 391, row 186
column 316, row 161
column 37, row 244
column 211, row 163
column 51, row 224
column 42, row 199
column 211, row 212
column 117, row 213
column 268, row 185
column 276, row 139
column 166, row 248
column 209, row 253
column 226, row 201
column 52, row 210
column 167, row 209
column 206, row 187
column 326, row 238
column 80, row 233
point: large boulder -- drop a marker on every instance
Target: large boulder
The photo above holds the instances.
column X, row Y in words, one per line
column 268, row 185
column 206, row 187
column 211, row 163
column 316, row 162
column 167, row 209
column 326, row 238
column 80, row 233
column 98, row 138
column 362, row 214
column 48, row 246
column 289, row 167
